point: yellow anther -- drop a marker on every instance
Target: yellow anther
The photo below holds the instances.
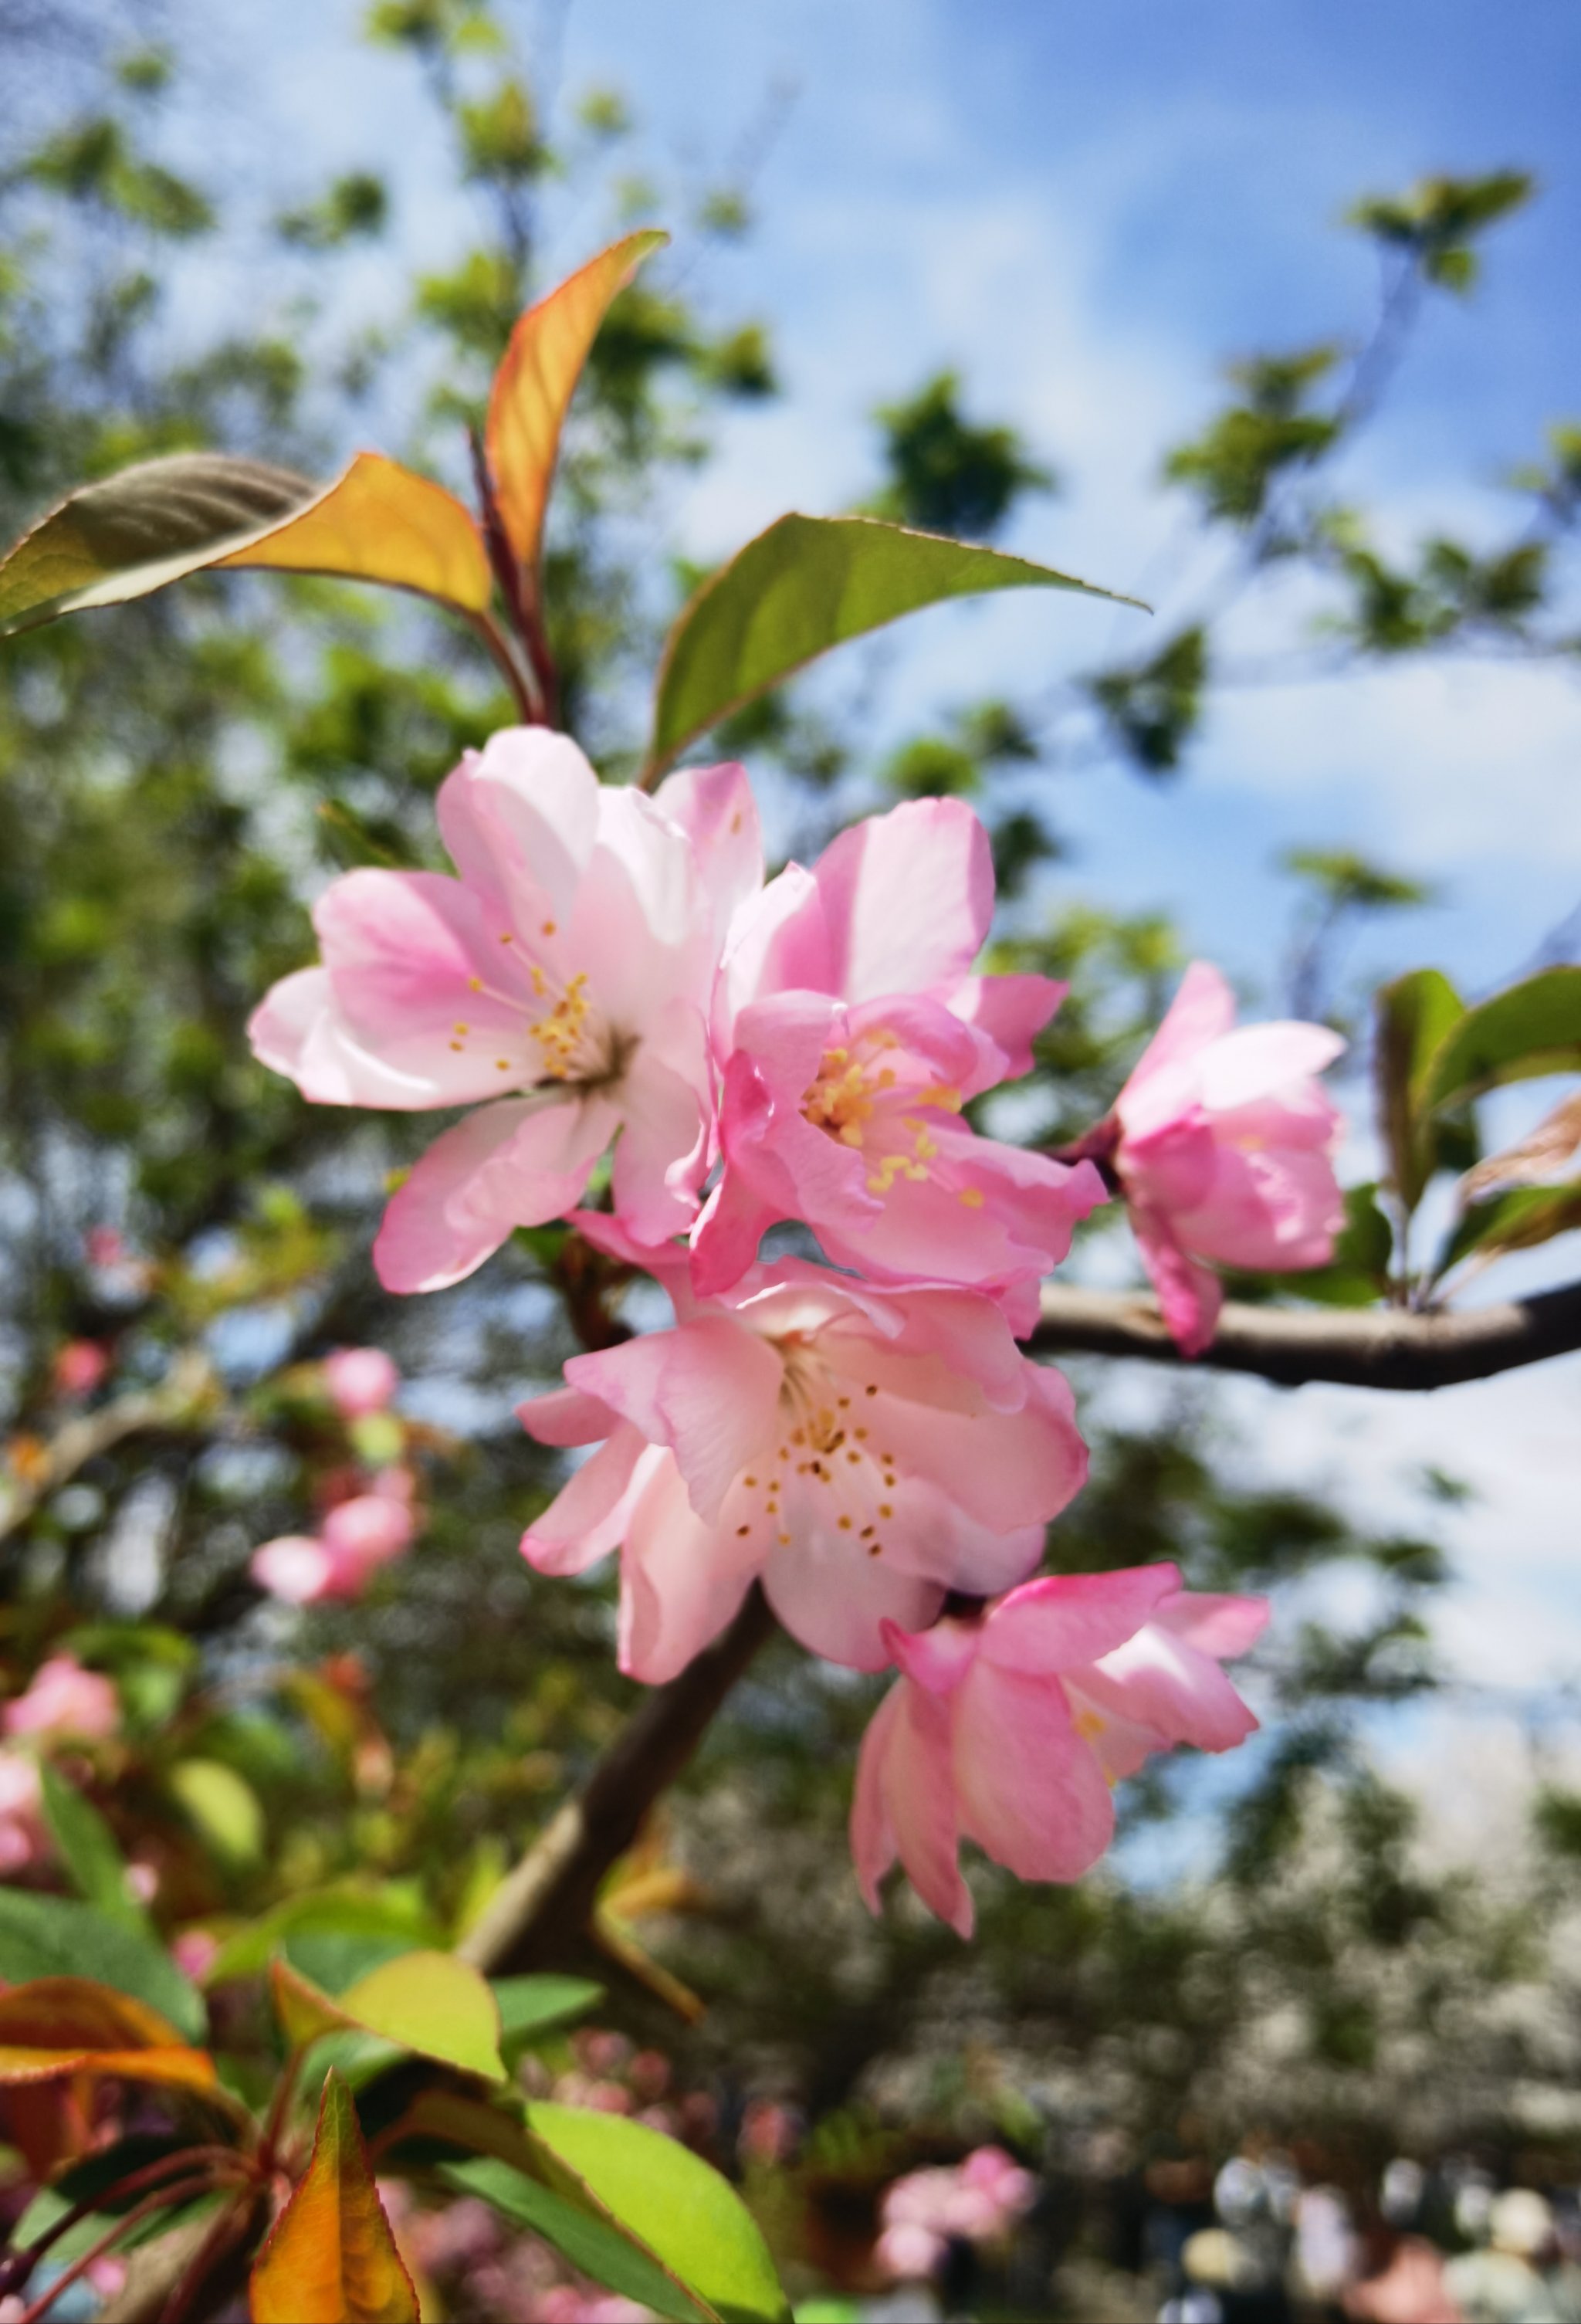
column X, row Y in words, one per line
column 971, row 1196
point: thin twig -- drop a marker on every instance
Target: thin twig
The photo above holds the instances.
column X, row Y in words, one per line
column 178, row 1401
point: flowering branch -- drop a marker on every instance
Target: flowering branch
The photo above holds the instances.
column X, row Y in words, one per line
column 1375, row 1348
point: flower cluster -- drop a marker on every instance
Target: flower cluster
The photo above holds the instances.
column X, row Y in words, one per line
column 977, row 2200
column 858, row 1433
column 370, row 1515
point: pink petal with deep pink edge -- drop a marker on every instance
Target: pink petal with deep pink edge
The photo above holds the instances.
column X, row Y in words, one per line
column 1189, row 1296
column 1067, row 1619
column 519, row 818
column 1214, row 1623
column 1160, row 1682
column 907, row 896
column 1009, row 1009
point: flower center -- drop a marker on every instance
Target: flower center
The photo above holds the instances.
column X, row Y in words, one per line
column 568, row 1040
column 866, row 1101
column 825, row 1467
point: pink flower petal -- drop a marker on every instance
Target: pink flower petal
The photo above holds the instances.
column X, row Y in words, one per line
column 1028, row 1789
column 709, row 1390
column 518, row 1163
column 907, row 896
column 1067, row 1619
column 682, row 1580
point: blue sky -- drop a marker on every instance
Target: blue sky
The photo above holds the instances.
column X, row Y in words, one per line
column 1086, row 208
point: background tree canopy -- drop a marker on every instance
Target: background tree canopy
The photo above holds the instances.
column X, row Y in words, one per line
column 1270, row 1946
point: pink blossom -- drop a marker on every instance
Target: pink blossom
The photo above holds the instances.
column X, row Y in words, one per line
column 565, row 975
column 1165, row 1685
column 104, row 1246
column 1226, row 1151
column 850, row 1032
column 978, row 2200
column 360, row 1380
column 997, row 1729
column 863, row 1451
column 357, row 1536
column 22, row 1836
column 79, row 1366
column 63, row 1700
column 196, row 1951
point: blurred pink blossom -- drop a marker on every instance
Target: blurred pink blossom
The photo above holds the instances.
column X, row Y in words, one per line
column 79, row 1366
column 104, row 1246
column 356, row 1537
column 360, row 1380
column 979, row 2200
column 64, row 1699
column 195, row 1950
column 1226, row 1151
column 23, row 1837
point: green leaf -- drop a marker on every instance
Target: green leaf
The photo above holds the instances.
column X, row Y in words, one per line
column 87, row 1850
column 1358, row 1272
column 805, row 585
column 152, row 525
column 1415, row 1015
column 427, row 2002
column 50, row 1936
column 589, row 2243
column 333, row 1935
column 1534, row 1027
column 223, row 1805
column 1518, row 1220
column 681, row 2208
column 533, row 2006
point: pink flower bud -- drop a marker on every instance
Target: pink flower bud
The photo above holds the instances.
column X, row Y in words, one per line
column 80, row 1367
column 64, row 1700
column 360, row 1380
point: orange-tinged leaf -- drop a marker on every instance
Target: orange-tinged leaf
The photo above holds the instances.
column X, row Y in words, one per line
column 536, row 378
column 304, row 2010
column 381, row 523
column 428, row 2001
column 54, row 2026
column 331, row 2258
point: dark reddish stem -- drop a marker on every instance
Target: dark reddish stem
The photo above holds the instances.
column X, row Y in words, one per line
column 176, row 2191
column 214, row 2160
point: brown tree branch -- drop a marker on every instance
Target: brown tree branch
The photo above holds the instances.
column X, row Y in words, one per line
column 547, row 1900
column 1380, row 1348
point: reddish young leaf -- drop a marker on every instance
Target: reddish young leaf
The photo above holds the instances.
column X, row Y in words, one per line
column 536, row 378
column 331, row 2258
column 60, row 2025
